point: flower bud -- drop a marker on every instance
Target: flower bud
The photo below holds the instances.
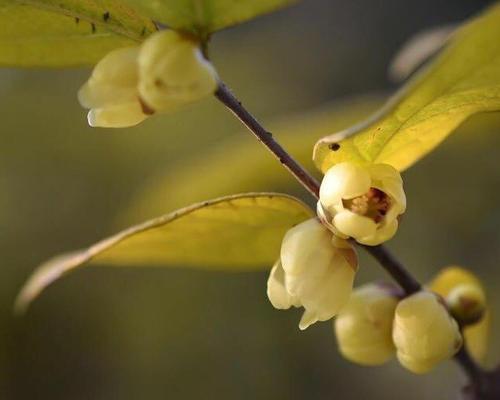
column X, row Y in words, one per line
column 362, row 201
column 466, row 303
column 173, row 72
column 466, row 298
column 424, row 333
column 364, row 327
column 316, row 272
column 111, row 91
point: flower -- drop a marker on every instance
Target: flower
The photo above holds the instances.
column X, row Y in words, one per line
column 466, row 298
column 364, row 327
column 111, row 92
column 424, row 333
column 316, row 271
column 362, row 201
column 162, row 75
column 173, row 72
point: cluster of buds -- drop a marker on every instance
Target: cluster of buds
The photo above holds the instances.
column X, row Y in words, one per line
column 421, row 330
column 165, row 73
column 374, row 323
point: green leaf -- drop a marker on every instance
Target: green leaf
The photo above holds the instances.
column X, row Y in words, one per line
column 205, row 16
column 462, row 81
column 66, row 33
column 235, row 233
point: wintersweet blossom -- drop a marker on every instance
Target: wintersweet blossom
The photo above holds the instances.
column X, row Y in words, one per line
column 364, row 327
column 165, row 73
column 362, row 201
column 316, row 271
column 424, row 333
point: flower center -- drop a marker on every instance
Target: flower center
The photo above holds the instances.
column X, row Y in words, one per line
column 374, row 204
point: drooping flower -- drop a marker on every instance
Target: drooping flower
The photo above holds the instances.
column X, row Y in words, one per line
column 165, row 73
column 362, row 201
column 111, row 92
column 364, row 327
column 424, row 333
column 316, row 271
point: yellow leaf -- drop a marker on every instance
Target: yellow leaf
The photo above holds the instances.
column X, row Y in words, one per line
column 66, row 33
column 205, row 16
column 477, row 335
column 462, row 81
column 235, row 233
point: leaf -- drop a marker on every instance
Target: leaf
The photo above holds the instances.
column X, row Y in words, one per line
column 205, row 16
column 462, row 81
column 234, row 233
column 418, row 49
column 66, row 33
column 477, row 335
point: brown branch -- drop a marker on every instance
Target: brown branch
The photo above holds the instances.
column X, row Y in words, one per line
column 387, row 260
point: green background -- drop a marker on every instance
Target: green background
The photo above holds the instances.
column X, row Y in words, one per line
column 105, row 333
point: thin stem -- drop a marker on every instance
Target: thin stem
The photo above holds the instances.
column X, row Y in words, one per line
column 266, row 138
column 395, row 268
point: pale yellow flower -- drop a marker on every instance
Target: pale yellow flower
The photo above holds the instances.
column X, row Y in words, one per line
column 424, row 333
column 165, row 73
column 364, row 327
column 316, row 271
column 362, row 201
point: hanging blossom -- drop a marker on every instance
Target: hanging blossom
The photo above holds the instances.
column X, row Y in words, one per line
column 165, row 73
column 362, row 201
column 316, row 271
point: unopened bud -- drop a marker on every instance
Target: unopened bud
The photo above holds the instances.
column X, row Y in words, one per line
column 173, row 72
column 424, row 332
column 364, row 327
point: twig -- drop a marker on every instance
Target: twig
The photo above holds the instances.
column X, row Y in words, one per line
column 395, row 268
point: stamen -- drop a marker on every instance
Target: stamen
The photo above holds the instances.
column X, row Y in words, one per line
column 374, row 204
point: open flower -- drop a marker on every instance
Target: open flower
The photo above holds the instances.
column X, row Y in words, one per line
column 362, row 202
column 424, row 332
column 364, row 327
column 316, row 271
column 164, row 74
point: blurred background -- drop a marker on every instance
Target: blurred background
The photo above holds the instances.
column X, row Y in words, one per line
column 130, row 333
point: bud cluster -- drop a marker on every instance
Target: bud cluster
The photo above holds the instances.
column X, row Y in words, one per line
column 375, row 322
column 165, row 73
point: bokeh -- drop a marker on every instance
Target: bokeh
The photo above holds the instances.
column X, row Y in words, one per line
column 173, row 333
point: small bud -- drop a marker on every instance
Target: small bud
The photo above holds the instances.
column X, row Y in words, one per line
column 315, row 272
column 111, row 91
column 362, row 202
column 173, row 72
column 467, row 303
column 364, row 327
column 454, row 283
column 424, row 332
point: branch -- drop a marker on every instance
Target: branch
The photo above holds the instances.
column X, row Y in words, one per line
column 266, row 138
column 395, row 268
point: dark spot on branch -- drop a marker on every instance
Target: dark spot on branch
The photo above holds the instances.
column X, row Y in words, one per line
column 269, row 133
column 93, row 27
column 77, row 20
column 106, row 16
column 334, row 146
